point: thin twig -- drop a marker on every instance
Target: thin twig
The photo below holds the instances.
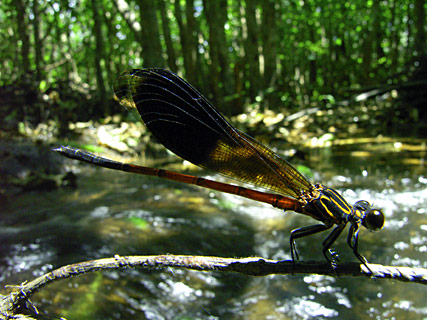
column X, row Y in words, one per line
column 253, row 266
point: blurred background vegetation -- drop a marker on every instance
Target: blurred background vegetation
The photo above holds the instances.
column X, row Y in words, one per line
column 59, row 58
column 338, row 87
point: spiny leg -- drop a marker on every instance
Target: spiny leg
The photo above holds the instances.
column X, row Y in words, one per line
column 303, row 232
column 352, row 240
column 327, row 244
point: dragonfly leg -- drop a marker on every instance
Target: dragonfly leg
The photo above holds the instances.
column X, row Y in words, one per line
column 352, row 240
column 303, row 232
column 327, row 243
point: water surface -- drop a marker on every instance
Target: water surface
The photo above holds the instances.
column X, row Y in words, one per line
column 117, row 213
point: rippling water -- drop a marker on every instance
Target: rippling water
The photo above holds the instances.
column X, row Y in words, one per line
column 117, row 213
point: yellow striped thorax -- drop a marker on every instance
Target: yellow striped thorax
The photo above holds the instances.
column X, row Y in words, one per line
column 330, row 207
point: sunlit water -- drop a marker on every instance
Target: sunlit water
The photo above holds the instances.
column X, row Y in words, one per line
column 117, row 213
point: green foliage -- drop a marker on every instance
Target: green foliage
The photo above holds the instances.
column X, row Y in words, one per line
column 306, row 171
column 87, row 147
column 86, row 305
column 296, row 51
column 139, row 222
column 226, row 204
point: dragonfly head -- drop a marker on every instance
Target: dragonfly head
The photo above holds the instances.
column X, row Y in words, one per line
column 372, row 218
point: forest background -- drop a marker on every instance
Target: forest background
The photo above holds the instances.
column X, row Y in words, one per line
column 59, row 58
column 348, row 71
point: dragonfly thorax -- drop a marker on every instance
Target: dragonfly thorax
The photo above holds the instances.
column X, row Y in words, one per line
column 328, row 206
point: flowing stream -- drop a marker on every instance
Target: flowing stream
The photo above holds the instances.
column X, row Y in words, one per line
column 117, row 213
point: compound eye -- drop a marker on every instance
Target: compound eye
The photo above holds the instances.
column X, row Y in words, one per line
column 362, row 205
column 374, row 220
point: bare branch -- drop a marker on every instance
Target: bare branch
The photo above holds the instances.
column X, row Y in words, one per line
column 253, row 266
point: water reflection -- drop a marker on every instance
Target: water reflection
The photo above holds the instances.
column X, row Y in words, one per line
column 116, row 213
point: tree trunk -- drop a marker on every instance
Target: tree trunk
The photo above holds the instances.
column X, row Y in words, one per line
column 193, row 39
column 420, row 33
column 216, row 16
column 108, row 21
column 251, row 45
column 23, row 36
column 151, row 47
column 170, row 50
column 99, row 48
column 186, row 43
column 37, row 41
column 269, row 36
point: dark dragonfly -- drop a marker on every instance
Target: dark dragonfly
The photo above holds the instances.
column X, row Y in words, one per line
column 187, row 124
